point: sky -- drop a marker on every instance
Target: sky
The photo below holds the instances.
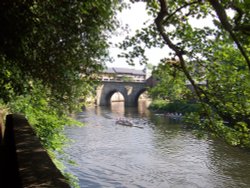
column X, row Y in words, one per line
column 134, row 18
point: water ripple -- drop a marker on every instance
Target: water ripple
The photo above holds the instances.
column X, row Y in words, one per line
column 161, row 155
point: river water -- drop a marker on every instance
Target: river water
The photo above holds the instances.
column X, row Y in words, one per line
column 162, row 154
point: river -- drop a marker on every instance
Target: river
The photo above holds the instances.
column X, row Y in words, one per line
column 164, row 154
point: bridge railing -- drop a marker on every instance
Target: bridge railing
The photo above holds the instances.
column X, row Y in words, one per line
column 119, row 80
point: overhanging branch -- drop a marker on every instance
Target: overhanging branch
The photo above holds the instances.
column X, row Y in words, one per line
column 221, row 13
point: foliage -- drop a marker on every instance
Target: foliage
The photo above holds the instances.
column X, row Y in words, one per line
column 175, row 106
column 61, row 43
column 4, row 110
column 47, row 121
column 213, row 57
column 127, row 79
column 158, row 104
column 50, row 54
column 170, row 84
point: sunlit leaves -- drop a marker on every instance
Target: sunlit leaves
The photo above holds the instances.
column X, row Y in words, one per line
column 62, row 40
column 171, row 84
column 213, row 50
column 50, row 53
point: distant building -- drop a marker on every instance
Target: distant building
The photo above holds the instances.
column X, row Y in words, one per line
column 124, row 74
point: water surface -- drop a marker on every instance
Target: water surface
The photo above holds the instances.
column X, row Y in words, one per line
column 163, row 154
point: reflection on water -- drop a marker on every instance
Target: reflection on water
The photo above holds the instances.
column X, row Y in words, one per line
column 119, row 108
column 143, row 107
column 161, row 155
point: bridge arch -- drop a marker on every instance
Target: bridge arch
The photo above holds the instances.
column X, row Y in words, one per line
column 130, row 91
column 109, row 95
column 138, row 94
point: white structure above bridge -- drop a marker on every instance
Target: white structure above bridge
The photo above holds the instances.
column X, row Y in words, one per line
column 124, row 75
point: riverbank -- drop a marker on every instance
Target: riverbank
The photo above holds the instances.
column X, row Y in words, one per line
column 174, row 107
column 23, row 161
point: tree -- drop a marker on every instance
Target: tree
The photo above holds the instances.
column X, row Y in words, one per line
column 50, row 52
column 171, row 83
column 216, row 54
column 59, row 43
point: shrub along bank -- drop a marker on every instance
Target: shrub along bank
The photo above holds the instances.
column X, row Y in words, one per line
column 183, row 107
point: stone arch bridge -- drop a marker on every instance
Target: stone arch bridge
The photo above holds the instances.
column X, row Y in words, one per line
column 130, row 91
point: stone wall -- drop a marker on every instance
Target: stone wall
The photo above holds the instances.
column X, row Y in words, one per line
column 23, row 160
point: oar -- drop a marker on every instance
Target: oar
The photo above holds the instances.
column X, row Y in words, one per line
column 137, row 126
